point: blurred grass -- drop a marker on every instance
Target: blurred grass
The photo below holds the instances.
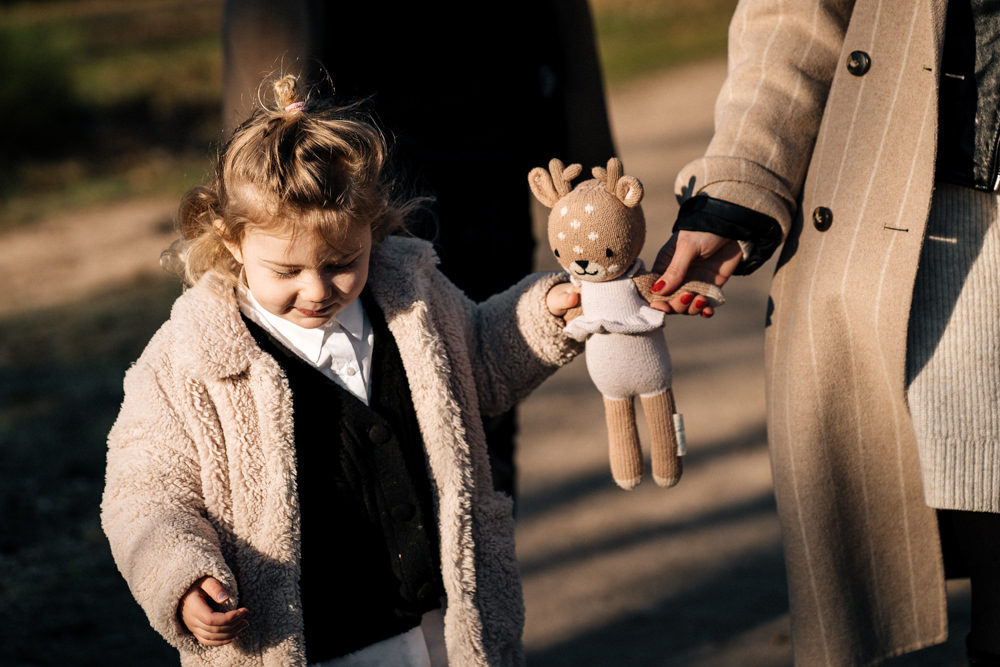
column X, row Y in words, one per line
column 104, row 100
column 112, row 99
column 636, row 37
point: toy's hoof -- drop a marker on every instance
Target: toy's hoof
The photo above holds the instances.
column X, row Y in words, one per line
column 628, row 484
column 666, row 482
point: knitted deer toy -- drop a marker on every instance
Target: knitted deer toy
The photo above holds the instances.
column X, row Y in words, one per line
column 596, row 232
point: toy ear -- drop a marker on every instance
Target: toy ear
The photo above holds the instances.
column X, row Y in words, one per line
column 629, row 190
column 541, row 186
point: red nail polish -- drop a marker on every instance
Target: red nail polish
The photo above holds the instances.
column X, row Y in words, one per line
column 686, row 298
column 700, row 303
column 658, row 286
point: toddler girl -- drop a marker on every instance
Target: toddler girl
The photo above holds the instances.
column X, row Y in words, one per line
column 298, row 473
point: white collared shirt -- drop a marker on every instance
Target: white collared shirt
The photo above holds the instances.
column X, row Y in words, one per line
column 341, row 349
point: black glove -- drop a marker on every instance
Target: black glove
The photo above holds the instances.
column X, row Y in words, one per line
column 760, row 233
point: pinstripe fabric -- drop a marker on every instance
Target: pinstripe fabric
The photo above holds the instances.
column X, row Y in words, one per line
column 794, row 132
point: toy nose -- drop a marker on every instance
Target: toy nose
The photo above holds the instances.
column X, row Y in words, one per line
column 582, row 263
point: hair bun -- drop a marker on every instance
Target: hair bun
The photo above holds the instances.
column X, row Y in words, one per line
column 287, row 94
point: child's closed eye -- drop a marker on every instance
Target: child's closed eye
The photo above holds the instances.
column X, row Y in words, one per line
column 340, row 266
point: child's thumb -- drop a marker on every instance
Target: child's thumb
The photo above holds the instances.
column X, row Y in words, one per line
column 214, row 589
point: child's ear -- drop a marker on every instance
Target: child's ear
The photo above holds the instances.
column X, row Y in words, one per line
column 234, row 248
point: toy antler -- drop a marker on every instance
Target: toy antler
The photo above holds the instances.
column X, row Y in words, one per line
column 551, row 186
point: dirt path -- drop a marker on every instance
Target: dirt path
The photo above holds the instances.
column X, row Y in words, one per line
column 63, row 259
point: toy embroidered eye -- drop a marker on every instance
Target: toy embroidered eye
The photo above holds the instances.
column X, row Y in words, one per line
column 556, row 252
column 609, row 253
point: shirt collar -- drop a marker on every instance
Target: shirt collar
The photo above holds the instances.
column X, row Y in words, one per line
column 307, row 342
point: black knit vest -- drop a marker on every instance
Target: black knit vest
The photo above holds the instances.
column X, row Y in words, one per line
column 370, row 560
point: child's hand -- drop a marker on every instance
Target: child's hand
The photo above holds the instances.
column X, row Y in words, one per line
column 199, row 615
column 562, row 298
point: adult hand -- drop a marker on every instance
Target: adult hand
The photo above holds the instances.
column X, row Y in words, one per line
column 693, row 256
column 198, row 613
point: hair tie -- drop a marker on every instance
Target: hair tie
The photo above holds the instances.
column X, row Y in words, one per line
column 296, row 106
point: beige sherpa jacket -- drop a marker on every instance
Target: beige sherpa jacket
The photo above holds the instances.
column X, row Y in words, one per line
column 201, row 463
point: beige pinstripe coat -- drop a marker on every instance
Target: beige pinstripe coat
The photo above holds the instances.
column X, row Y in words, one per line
column 799, row 136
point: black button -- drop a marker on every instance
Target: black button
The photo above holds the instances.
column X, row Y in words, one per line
column 379, row 434
column 425, row 592
column 822, row 218
column 858, row 63
column 403, row 512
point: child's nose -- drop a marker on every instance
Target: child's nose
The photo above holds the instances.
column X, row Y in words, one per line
column 316, row 289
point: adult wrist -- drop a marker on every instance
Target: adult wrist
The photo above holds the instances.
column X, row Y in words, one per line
column 759, row 234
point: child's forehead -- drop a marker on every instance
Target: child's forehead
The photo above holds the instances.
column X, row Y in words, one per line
column 300, row 246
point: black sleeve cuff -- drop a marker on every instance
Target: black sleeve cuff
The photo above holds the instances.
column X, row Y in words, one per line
column 732, row 221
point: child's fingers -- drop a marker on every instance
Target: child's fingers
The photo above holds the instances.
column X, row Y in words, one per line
column 210, row 627
column 561, row 298
column 221, row 628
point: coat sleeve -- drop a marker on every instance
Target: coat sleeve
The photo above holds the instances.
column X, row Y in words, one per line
column 514, row 343
column 782, row 59
column 152, row 510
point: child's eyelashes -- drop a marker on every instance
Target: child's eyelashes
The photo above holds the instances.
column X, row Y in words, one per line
column 342, row 266
column 285, row 274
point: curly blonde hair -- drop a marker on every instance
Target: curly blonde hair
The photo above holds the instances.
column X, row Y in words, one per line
column 300, row 165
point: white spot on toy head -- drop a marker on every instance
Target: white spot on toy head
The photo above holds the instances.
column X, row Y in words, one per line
column 564, row 210
column 592, row 236
column 589, row 208
column 575, row 224
column 561, row 236
column 613, row 268
column 578, row 250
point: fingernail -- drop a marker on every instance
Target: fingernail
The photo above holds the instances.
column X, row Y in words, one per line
column 700, row 303
column 222, row 597
column 686, row 298
column 658, row 286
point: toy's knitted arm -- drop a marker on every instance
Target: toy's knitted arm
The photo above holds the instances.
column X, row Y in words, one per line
column 572, row 314
column 644, row 283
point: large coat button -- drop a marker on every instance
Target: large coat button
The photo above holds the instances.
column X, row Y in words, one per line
column 403, row 512
column 822, row 218
column 858, row 63
column 379, row 434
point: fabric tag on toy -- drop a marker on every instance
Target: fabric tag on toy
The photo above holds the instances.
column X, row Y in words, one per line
column 679, row 431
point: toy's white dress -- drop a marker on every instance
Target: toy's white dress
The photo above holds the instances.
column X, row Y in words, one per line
column 624, row 338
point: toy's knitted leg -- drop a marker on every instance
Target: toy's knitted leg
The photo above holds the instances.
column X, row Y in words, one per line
column 623, row 438
column 659, row 410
